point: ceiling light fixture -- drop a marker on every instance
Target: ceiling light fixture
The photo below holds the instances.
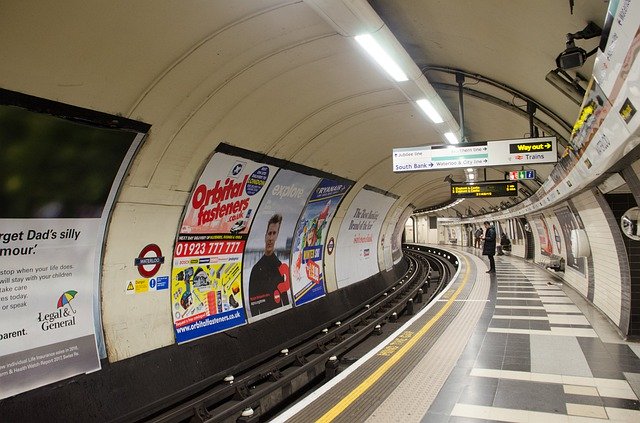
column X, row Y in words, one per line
column 455, row 203
column 567, row 85
column 451, row 137
column 429, row 110
column 372, row 47
column 358, row 20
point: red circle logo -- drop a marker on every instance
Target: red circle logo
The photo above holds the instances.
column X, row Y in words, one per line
column 330, row 245
column 151, row 255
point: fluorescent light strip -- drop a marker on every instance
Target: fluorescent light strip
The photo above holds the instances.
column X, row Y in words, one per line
column 455, row 203
column 373, row 48
column 451, row 137
column 430, row 111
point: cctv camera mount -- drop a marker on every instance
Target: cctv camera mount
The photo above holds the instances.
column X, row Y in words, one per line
column 574, row 57
column 590, row 31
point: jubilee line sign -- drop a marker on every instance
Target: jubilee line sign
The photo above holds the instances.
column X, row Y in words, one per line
column 477, row 154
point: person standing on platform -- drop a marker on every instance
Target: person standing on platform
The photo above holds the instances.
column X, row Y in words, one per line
column 505, row 245
column 489, row 248
column 478, row 237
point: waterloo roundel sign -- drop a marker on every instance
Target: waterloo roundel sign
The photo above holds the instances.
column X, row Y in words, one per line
column 149, row 261
column 330, row 245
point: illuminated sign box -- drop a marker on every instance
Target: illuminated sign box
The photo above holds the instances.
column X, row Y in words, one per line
column 519, row 152
column 517, row 175
column 531, row 147
column 484, row 189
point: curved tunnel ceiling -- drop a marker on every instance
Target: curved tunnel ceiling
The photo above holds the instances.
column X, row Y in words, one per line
column 274, row 77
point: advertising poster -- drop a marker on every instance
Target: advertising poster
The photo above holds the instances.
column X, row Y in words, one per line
column 567, row 221
column 60, row 177
column 307, row 278
column 595, row 108
column 266, row 279
column 391, row 245
column 557, row 239
column 206, row 288
column 46, row 301
column 519, row 235
column 205, row 292
column 386, row 261
column 396, row 238
column 226, row 196
column 359, row 235
column 546, row 245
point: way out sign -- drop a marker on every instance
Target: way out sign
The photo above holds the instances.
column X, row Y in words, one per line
column 149, row 261
column 523, row 151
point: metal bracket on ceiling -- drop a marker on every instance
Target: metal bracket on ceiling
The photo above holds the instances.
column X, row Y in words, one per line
column 531, row 111
column 502, row 103
column 460, row 81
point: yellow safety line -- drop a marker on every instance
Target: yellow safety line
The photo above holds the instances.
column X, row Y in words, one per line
column 386, row 366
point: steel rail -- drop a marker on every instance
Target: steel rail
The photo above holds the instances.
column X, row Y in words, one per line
column 310, row 357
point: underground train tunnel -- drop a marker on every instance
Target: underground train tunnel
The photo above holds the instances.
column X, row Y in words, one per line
column 228, row 211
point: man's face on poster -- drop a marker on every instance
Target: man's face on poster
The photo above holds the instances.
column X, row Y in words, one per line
column 311, row 236
column 270, row 238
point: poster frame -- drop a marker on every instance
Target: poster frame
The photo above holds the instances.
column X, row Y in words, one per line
column 99, row 121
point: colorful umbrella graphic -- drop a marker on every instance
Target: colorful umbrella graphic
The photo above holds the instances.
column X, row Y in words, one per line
column 66, row 299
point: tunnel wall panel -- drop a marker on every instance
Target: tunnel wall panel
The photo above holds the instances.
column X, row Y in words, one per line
column 139, row 322
column 606, row 293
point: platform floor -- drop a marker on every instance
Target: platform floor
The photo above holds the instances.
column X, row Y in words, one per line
column 517, row 346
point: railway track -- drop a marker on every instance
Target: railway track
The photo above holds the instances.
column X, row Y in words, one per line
column 259, row 392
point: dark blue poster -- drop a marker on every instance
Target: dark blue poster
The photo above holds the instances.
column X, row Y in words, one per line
column 307, row 268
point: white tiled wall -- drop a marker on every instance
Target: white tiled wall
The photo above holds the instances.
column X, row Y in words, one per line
column 607, row 295
column 422, row 230
column 577, row 280
column 607, row 291
column 518, row 250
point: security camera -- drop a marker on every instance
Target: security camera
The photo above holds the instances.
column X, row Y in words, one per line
column 573, row 57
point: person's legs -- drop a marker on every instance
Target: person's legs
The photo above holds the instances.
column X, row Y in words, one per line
column 492, row 264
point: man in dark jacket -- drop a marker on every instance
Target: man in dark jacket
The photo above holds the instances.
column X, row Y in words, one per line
column 489, row 248
column 267, row 287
